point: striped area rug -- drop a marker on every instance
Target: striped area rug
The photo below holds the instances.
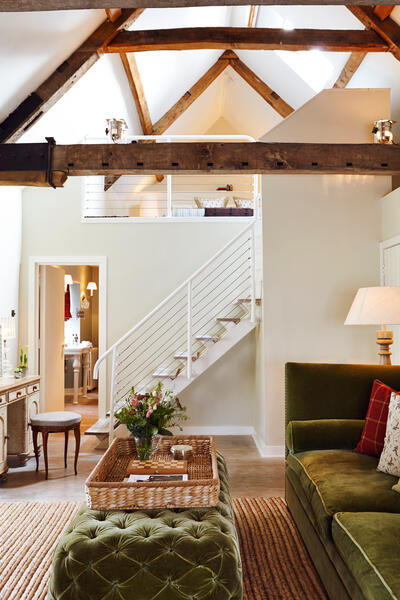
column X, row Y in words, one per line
column 276, row 565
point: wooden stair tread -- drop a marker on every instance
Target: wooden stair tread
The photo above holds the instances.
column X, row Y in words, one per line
column 101, row 427
column 248, row 301
column 184, row 356
column 207, row 338
column 235, row 320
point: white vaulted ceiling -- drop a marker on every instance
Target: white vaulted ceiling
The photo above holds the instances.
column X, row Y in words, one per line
column 32, row 45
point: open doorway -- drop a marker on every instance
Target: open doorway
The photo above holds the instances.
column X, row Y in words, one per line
column 81, row 341
column 67, row 332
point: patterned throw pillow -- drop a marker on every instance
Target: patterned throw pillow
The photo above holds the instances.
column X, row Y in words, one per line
column 211, row 202
column 243, row 202
column 390, row 457
column 373, row 435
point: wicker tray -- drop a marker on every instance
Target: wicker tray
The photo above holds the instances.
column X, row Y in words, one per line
column 106, row 490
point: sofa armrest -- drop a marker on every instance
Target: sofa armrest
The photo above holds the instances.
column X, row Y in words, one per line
column 323, row 434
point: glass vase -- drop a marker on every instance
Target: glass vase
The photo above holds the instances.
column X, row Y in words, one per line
column 146, row 446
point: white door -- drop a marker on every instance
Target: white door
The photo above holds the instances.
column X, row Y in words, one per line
column 51, row 343
column 391, row 276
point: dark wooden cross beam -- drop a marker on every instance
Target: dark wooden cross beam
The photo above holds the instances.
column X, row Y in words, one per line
column 245, row 38
column 387, row 29
column 64, row 77
column 33, row 164
column 37, row 5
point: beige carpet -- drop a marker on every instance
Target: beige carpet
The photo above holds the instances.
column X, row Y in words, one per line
column 276, row 565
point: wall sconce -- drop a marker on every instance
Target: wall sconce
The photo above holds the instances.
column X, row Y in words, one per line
column 383, row 131
column 67, row 281
column 92, row 287
column 116, row 130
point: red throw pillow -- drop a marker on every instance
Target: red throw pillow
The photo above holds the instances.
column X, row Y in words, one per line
column 373, row 435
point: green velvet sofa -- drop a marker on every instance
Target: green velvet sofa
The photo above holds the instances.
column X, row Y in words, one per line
column 346, row 511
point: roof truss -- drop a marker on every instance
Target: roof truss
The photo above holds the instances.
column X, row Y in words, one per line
column 50, row 165
column 245, row 38
column 41, row 5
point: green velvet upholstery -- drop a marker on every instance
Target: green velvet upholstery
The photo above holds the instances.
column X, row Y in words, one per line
column 342, row 480
column 326, row 391
column 325, row 407
column 145, row 555
column 323, row 434
column 369, row 544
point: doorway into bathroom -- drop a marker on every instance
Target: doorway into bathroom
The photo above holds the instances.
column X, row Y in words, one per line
column 68, row 334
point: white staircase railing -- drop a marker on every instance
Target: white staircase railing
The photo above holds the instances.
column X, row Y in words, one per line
column 197, row 312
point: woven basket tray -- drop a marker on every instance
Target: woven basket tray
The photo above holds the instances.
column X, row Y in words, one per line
column 106, row 490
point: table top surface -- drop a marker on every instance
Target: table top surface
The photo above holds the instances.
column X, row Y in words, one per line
column 9, row 383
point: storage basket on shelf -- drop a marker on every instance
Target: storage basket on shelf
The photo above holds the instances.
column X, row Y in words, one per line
column 106, row 489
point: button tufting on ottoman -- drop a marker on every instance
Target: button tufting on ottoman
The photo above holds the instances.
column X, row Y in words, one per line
column 145, row 555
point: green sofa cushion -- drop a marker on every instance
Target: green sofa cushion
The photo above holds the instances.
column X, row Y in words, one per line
column 369, row 544
column 333, row 391
column 342, row 481
column 145, row 555
column 323, row 434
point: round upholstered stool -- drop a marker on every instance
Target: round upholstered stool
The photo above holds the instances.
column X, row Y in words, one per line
column 56, row 422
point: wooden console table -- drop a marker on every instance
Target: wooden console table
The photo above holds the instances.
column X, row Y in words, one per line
column 19, row 400
column 80, row 355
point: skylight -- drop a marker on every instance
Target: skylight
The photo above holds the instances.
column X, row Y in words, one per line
column 311, row 65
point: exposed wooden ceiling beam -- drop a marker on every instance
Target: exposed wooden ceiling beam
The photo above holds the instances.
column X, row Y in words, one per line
column 384, row 12
column 135, row 83
column 41, row 5
column 253, row 14
column 113, row 14
column 190, row 96
column 245, row 38
column 63, row 78
column 354, row 61
column 20, row 161
column 268, row 94
column 387, row 29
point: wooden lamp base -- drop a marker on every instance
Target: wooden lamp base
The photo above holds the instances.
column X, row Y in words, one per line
column 384, row 339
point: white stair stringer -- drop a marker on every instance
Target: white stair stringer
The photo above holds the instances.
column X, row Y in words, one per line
column 214, row 352
column 190, row 329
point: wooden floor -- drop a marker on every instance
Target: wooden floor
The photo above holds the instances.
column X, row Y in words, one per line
column 250, row 475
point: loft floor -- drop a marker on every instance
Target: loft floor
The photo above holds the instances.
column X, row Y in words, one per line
column 250, row 475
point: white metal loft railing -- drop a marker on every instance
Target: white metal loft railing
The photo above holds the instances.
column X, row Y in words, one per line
column 160, row 344
column 143, row 197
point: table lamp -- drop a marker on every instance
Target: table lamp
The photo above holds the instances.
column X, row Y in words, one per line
column 377, row 306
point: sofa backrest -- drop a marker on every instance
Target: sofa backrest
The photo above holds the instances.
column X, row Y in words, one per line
column 333, row 391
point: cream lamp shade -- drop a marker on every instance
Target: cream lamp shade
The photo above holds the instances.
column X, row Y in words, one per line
column 8, row 328
column 91, row 286
column 377, row 306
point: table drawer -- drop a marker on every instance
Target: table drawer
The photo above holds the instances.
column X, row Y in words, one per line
column 16, row 394
column 35, row 387
column 3, row 399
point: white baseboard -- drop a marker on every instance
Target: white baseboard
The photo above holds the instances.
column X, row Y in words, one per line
column 219, row 430
column 264, row 450
column 267, row 451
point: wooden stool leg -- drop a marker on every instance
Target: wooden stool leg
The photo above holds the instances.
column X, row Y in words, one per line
column 35, row 447
column 77, row 432
column 46, row 464
column 66, row 433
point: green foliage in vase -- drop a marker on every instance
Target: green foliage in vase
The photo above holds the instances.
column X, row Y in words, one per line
column 152, row 413
column 23, row 357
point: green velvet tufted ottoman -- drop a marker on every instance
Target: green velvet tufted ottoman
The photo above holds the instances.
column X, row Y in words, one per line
column 183, row 554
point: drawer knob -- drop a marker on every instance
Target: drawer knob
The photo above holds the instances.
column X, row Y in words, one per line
column 34, row 388
column 19, row 394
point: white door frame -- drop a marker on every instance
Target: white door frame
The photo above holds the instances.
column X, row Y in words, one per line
column 33, row 310
column 393, row 241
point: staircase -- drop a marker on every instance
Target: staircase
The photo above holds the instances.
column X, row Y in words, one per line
column 188, row 331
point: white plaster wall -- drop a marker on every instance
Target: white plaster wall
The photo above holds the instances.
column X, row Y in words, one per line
column 10, row 244
column 321, row 243
column 391, row 215
column 145, row 263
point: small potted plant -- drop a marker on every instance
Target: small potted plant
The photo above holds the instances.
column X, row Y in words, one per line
column 150, row 414
column 17, row 373
column 23, row 360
